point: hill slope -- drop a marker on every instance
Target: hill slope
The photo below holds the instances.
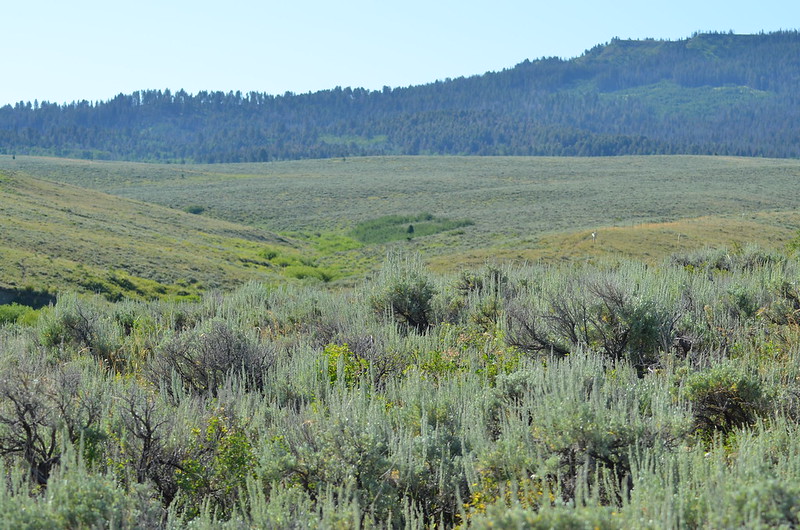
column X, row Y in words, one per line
column 57, row 236
column 709, row 94
column 487, row 208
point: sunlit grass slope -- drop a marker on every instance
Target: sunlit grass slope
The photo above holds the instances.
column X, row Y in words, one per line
column 57, row 236
column 650, row 242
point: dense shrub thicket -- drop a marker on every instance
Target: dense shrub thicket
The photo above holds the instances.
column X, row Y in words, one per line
column 607, row 395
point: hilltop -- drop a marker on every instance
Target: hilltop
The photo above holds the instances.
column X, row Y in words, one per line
column 713, row 93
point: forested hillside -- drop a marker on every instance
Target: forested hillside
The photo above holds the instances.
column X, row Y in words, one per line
column 709, row 94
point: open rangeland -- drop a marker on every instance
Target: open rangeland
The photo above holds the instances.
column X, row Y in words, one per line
column 488, row 208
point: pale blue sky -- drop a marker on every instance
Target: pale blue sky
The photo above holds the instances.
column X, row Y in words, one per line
column 61, row 51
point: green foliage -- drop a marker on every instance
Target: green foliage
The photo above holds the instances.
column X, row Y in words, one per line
column 194, row 209
column 302, row 272
column 294, row 264
column 723, row 398
column 269, row 253
column 219, row 461
column 404, row 291
column 470, row 350
column 344, row 365
column 793, row 246
column 328, row 243
column 11, row 313
column 396, row 227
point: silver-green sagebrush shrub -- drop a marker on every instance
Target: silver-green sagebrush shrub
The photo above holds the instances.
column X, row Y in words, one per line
column 248, row 306
column 501, row 515
column 346, row 442
column 723, row 398
column 614, row 395
column 77, row 326
column 205, row 356
column 433, row 442
column 76, row 497
column 745, row 481
column 43, row 407
column 404, row 291
column 570, row 426
column 615, row 312
column 291, row 507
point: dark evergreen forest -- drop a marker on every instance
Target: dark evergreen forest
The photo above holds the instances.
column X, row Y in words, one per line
column 713, row 93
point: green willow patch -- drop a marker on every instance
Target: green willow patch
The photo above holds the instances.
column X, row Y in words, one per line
column 396, row 227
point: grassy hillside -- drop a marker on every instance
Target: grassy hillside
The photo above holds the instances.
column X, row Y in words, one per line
column 57, row 236
column 519, row 208
column 649, row 242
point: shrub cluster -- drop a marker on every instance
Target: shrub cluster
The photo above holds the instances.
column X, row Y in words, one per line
column 610, row 395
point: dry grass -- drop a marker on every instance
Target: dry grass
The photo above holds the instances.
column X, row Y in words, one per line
column 650, row 242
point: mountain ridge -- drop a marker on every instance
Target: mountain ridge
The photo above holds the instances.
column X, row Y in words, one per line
column 713, row 93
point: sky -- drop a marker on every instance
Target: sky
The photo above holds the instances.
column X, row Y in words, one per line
column 63, row 51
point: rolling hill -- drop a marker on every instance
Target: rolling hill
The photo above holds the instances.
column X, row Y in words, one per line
column 59, row 237
column 336, row 219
